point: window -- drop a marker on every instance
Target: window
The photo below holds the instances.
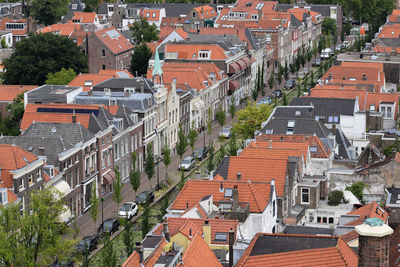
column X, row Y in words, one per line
column 103, row 67
column 372, row 108
column 116, row 151
column 30, row 179
column 228, row 193
column 254, row 16
column 313, row 149
column 103, row 53
column 70, row 162
column 330, row 220
column 39, row 174
column 154, row 14
column 289, row 131
column 148, row 15
column 74, row 6
column 135, row 141
column 204, row 54
column 112, row 102
column 221, row 236
column 305, row 195
column 110, row 9
column 132, row 147
column 324, row 220
column 15, row 26
column 140, row 138
column 22, row 185
column 268, row 38
column 290, row 124
column 273, row 208
column 336, row 119
column 387, row 111
column 330, row 119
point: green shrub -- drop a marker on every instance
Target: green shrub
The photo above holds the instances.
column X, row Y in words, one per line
column 335, row 198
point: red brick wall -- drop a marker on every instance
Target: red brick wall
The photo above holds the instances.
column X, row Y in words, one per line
column 373, row 251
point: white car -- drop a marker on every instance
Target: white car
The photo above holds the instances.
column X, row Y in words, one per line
column 187, row 164
column 129, row 209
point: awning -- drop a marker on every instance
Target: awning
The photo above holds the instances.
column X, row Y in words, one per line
column 234, row 68
column 234, row 85
column 63, row 187
column 108, row 178
column 242, row 64
column 66, row 215
column 198, row 105
column 247, row 61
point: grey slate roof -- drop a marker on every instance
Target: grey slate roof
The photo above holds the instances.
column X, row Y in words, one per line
column 307, row 230
column 118, row 85
column 324, row 10
column 294, row 112
column 223, row 168
column 327, row 106
column 305, row 126
column 225, row 41
column 79, row 5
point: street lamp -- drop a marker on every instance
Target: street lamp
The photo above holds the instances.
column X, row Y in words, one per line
column 102, row 210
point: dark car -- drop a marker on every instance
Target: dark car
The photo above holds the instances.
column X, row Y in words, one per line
column 63, row 263
column 88, row 243
column 144, row 196
column 200, row 153
column 290, row 84
column 109, row 226
column 317, row 62
column 277, row 93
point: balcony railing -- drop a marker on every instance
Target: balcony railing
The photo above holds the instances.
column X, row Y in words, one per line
column 228, row 211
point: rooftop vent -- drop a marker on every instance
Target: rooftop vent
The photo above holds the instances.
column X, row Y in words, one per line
column 298, row 113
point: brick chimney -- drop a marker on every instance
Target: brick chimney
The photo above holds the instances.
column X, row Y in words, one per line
column 235, row 198
column 166, row 231
column 231, row 242
column 139, row 250
column 207, row 232
column 373, row 243
column 239, row 176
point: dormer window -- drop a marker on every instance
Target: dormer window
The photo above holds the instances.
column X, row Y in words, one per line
column 118, row 123
column 88, row 83
column 254, row 16
column 372, row 108
column 204, row 54
column 148, row 15
column 154, row 14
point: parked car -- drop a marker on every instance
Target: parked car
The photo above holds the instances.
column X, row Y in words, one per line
column 306, row 70
column 63, row 263
column 128, row 210
column 265, row 100
column 200, row 153
column 109, row 226
column 345, row 44
column 225, row 132
column 145, row 196
column 187, row 164
column 325, row 54
column 301, row 74
column 317, row 62
column 290, row 84
column 88, row 243
column 338, row 48
column 277, row 93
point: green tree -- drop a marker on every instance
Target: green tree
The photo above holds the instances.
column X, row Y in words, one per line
column 182, row 180
column 335, row 198
column 35, row 238
column 145, row 220
column 271, row 81
column 210, row 162
column 94, row 203
column 166, row 158
column 62, row 77
column 250, row 119
column 11, row 125
column 27, row 65
column 127, row 236
column 140, row 60
column 298, row 89
column 117, row 187
column 149, row 163
column 329, row 26
column 48, row 11
column 182, row 143
column 284, row 100
column 357, row 189
column 134, row 175
column 220, row 116
column 286, row 71
column 232, row 107
column 254, row 93
column 142, row 31
column 262, row 77
column 221, row 155
column 192, row 136
column 108, row 256
column 232, row 148
column 163, row 208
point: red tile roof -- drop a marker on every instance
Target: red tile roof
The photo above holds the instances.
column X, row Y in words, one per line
column 150, row 14
column 9, row 92
column 390, row 31
column 114, row 40
column 62, row 29
column 91, row 79
column 199, row 254
column 182, row 225
column 205, row 12
column 339, row 255
column 150, row 261
column 16, row 32
column 13, row 157
column 191, row 51
column 85, row 17
column 372, row 210
column 242, row 6
column 257, row 194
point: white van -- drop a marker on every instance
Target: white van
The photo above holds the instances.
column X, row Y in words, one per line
column 326, row 53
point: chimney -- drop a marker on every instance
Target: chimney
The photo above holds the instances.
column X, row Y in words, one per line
column 281, row 138
column 270, row 144
column 239, row 176
column 166, row 232
column 364, row 77
column 231, row 242
column 41, row 151
column 139, row 250
column 207, row 232
column 345, row 75
column 370, row 155
column 235, row 198
column 321, row 121
column 73, row 118
column 90, row 92
column 142, row 86
column 373, row 243
column 334, row 129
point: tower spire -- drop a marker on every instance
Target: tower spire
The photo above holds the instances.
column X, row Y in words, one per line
column 157, row 71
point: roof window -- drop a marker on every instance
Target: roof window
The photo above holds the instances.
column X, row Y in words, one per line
column 220, row 236
column 228, row 193
column 290, row 124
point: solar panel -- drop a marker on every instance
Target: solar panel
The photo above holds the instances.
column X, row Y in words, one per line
column 113, row 33
column 68, row 110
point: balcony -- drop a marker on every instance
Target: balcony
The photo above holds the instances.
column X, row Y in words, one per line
column 227, row 210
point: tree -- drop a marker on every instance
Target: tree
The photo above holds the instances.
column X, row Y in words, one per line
column 335, row 198
column 192, row 136
column 35, row 237
column 108, row 255
column 117, row 187
column 94, row 203
column 209, row 122
column 149, row 162
column 254, row 94
column 232, row 149
column 140, row 60
column 329, row 26
column 220, row 116
column 298, row 89
column 27, row 65
column 284, row 100
column 62, row 77
column 166, row 158
column 286, row 71
column 10, row 125
column 127, row 236
column 292, row 67
column 250, row 119
column 49, row 11
column 145, row 220
column 182, row 180
column 357, row 189
column 134, row 175
column 221, row 155
column 262, row 78
column 142, row 31
column 232, row 107
column 182, row 143
column 210, row 162
column 271, row 81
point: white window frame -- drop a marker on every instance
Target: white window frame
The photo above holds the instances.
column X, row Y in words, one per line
column 301, row 196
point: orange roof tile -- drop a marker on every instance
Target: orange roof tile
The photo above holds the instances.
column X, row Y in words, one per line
column 85, row 17
column 9, row 92
column 243, row 7
column 350, row 236
column 62, row 29
column 114, row 40
column 256, row 194
column 190, row 51
column 150, row 14
column 389, row 31
column 205, row 12
column 13, row 157
column 339, row 255
column 11, row 197
column 199, row 254
column 345, row 73
column 182, row 225
column 88, row 80
column 372, row 210
column 134, row 259
column 386, row 49
column 16, row 32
